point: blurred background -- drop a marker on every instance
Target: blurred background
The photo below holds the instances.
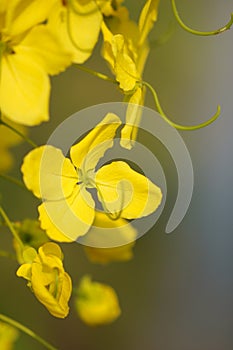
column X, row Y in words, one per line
column 177, row 292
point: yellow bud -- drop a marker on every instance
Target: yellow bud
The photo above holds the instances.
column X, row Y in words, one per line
column 96, row 303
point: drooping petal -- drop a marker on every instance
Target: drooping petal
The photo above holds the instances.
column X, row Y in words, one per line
column 66, row 220
column 127, row 192
column 109, row 240
column 48, row 174
column 24, row 14
column 45, row 49
column 56, row 305
column 30, row 86
column 125, row 68
column 109, row 236
column 86, row 153
column 147, row 18
column 133, row 117
column 115, row 52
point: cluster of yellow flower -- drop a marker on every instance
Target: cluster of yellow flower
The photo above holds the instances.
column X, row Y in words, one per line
column 42, row 38
column 39, row 38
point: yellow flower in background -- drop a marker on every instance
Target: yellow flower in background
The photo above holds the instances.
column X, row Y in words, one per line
column 96, row 303
column 47, row 278
column 68, row 210
column 121, row 236
column 126, row 49
column 30, row 234
column 77, row 25
column 8, row 336
column 8, row 139
column 28, row 53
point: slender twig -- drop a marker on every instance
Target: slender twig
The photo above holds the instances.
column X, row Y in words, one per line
column 10, row 226
column 96, row 74
column 197, row 32
column 178, row 126
column 27, row 139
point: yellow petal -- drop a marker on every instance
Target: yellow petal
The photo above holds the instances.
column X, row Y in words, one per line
column 67, row 24
column 107, row 233
column 86, row 153
column 24, row 90
column 66, row 220
column 133, row 117
column 51, row 248
column 116, row 233
column 115, row 52
column 147, row 18
column 24, row 271
column 45, row 49
column 107, row 255
column 86, row 16
column 48, row 174
column 126, row 191
column 24, row 14
column 57, row 307
column 125, row 68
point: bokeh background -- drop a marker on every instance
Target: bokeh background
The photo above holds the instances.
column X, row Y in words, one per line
column 177, row 292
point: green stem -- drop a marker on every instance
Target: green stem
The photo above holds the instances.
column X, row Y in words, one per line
column 27, row 331
column 197, row 32
column 178, row 126
column 96, row 74
column 13, row 180
column 27, row 139
column 10, row 226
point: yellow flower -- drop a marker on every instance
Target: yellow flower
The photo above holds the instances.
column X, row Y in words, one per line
column 96, row 303
column 8, row 336
column 68, row 210
column 126, row 49
column 28, row 53
column 49, row 282
column 123, row 234
column 30, row 234
column 8, row 139
column 77, row 24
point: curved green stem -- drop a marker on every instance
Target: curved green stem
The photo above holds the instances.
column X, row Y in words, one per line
column 197, row 32
column 96, row 74
column 27, row 331
column 13, row 180
column 10, row 226
column 178, row 126
column 27, row 139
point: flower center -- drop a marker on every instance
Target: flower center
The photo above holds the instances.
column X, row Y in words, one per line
column 87, row 177
column 5, row 48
